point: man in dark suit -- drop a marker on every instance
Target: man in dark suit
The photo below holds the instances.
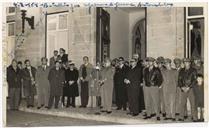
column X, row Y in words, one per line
column 120, row 87
column 56, row 57
column 85, row 75
column 133, row 81
column 63, row 56
column 14, row 77
column 29, row 73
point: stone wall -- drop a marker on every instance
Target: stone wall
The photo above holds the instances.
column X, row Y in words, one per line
column 165, row 32
column 81, row 35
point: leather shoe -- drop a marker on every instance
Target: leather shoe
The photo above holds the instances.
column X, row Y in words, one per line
column 147, row 117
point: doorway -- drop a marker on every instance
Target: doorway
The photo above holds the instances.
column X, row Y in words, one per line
column 102, row 34
column 139, row 38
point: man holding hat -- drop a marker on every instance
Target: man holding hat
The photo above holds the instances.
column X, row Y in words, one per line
column 169, row 90
column 186, row 81
column 153, row 80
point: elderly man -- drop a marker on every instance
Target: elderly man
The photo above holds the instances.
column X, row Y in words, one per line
column 43, row 83
column 186, row 81
column 133, row 81
column 85, row 75
column 153, row 80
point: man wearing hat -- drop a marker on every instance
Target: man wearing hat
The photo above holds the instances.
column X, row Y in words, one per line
column 160, row 63
column 186, row 81
column 177, row 63
column 169, row 90
column 197, row 64
column 153, row 80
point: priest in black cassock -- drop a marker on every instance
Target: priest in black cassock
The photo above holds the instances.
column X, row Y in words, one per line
column 133, row 81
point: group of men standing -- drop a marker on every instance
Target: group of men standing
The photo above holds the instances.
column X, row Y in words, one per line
column 151, row 84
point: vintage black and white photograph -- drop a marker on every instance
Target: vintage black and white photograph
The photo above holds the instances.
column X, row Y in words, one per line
column 90, row 64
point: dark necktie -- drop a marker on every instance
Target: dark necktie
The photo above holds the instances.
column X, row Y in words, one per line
column 84, row 73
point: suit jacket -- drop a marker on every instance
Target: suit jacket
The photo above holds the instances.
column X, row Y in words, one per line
column 52, row 60
column 14, row 77
column 153, row 77
column 64, row 58
column 29, row 89
column 89, row 70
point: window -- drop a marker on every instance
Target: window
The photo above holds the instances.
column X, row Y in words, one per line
column 194, row 11
column 57, row 32
column 11, row 10
column 11, row 29
column 195, row 32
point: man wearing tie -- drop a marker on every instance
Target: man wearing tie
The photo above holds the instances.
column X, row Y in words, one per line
column 43, row 83
column 85, row 78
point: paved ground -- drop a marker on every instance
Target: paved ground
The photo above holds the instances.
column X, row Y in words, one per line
column 25, row 119
column 74, row 117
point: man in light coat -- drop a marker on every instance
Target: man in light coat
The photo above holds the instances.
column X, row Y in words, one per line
column 43, row 86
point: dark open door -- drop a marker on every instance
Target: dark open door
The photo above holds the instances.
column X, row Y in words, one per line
column 103, row 35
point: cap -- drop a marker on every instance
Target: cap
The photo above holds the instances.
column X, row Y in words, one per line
column 186, row 60
column 160, row 59
column 167, row 60
column 150, row 59
column 132, row 60
column 177, row 61
column 196, row 58
column 121, row 59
